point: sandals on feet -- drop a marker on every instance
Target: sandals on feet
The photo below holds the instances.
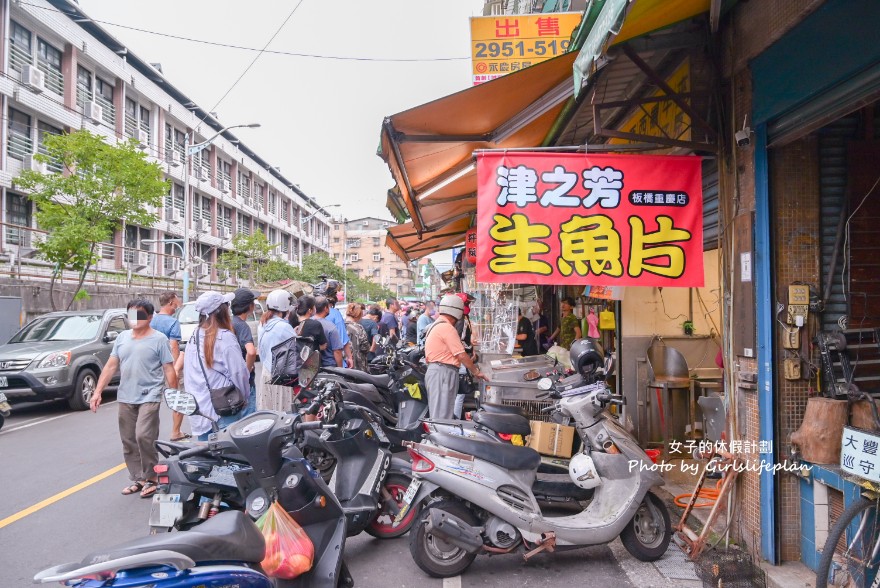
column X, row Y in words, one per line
column 183, row 437
column 133, row 489
column 149, row 489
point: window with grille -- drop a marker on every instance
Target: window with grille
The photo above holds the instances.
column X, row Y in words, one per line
column 104, row 97
column 134, row 241
column 354, row 257
column 20, row 143
column 273, row 204
column 259, row 197
column 224, row 172
column 43, row 130
column 174, row 199
column 244, row 188
column 377, row 257
column 83, row 86
column 226, row 217
column 285, row 244
column 20, row 47
column 107, row 250
column 18, row 212
column 49, row 62
column 244, row 224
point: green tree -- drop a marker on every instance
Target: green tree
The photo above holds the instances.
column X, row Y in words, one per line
column 321, row 264
column 250, row 258
column 100, row 186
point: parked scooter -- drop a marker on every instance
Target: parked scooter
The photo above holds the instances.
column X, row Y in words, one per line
column 481, row 497
column 5, row 409
column 227, row 549
column 369, row 489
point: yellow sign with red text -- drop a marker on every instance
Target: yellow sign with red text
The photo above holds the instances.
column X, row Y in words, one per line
column 505, row 43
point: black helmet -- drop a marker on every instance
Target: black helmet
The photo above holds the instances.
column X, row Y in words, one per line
column 586, row 356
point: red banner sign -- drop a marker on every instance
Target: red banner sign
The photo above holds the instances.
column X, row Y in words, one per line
column 470, row 245
column 581, row 219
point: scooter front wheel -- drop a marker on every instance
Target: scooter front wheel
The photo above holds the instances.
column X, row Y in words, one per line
column 434, row 556
column 382, row 526
column 647, row 535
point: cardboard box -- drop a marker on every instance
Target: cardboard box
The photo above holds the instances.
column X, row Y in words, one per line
column 551, row 439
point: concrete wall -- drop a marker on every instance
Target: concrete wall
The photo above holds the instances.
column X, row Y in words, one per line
column 35, row 297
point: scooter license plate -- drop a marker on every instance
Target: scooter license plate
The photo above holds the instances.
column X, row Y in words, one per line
column 166, row 510
column 407, row 500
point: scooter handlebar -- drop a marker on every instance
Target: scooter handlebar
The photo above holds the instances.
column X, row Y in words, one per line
column 308, row 426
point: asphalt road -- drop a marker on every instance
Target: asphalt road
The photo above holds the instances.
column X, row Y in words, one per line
column 60, row 499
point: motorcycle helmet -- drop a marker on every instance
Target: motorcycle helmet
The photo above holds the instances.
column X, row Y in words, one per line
column 583, row 471
column 278, row 300
column 586, row 356
column 452, row 305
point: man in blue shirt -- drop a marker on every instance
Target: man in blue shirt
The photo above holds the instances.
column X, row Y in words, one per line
column 331, row 356
column 389, row 318
column 144, row 360
column 338, row 321
column 164, row 322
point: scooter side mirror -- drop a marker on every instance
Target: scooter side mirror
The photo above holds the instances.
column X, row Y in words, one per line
column 182, row 402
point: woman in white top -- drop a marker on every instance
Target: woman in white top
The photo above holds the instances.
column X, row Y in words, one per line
column 219, row 353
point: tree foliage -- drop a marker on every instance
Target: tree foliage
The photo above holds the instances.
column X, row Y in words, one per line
column 250, row 259
column 100, row 186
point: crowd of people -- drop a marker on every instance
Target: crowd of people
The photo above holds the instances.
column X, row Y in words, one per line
column 222, row 352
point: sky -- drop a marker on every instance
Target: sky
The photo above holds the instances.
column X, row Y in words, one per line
column 320, row 118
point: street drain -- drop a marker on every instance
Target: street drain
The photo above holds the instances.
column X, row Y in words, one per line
column 675, row 565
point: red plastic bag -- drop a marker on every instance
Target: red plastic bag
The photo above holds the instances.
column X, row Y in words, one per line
column 289, row 551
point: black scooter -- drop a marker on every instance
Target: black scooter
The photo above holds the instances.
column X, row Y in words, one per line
column 203, row 480
column 253, row 463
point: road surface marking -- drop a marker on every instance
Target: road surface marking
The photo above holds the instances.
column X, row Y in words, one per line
column 40, row 421
column 452, row 582
column 63, row 494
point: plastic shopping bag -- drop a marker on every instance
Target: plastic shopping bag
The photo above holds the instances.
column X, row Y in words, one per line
column 289, row 551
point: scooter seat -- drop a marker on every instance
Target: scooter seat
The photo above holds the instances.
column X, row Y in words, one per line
column 227, row 536
column 368, row 391
column 501, row 409
column 380, row 381
column 511, row 457
column 510, row 424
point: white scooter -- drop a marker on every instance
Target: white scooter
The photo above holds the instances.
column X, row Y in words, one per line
column 478, row 495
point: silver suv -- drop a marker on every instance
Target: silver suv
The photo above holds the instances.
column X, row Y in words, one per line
column 60, row 355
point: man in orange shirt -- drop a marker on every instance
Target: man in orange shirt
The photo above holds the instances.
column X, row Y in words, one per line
column 445, row 353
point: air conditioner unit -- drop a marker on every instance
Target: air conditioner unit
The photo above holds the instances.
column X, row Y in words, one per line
column 201, row 174
column 225, row 233
column 203, row 225
column 31, row 163
column 174, row 158
column 203, row 269
column 223, row 185
column 176, row 216
column 143, row 258
column 33, row 78
column 366, row 223
column 94, row 111
column 176, row 264
column 143, row 138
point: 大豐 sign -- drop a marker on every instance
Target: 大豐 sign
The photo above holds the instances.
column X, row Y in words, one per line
column 505, row 43
column 860, row 453
column 581, row 219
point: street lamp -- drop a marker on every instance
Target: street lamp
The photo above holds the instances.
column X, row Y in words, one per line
column 189, row 151
column 303, row 221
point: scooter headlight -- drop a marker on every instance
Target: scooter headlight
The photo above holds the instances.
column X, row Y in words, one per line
column 545, row 384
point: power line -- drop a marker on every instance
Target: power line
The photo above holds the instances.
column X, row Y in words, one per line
column 243, row 48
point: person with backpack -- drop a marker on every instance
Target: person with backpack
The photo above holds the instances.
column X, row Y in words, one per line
column 304, row 325
column 360, row 341
column 273, row 330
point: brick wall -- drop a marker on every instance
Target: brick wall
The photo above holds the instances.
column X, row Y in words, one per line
column 794, row 189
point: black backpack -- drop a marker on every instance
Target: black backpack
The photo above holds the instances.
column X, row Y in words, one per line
column 294, row 361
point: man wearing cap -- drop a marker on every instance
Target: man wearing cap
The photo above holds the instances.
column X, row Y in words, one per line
column 144, row 360
column 445, row 353
column 242, row 307
column 164, row 322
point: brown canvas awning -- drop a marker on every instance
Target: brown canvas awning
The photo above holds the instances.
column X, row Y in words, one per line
column 429, row 148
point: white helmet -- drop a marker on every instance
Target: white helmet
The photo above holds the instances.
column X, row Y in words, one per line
column 583, row 471
column 452, row 305
column 278, row 300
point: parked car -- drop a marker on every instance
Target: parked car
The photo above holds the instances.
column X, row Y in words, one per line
column 189, row 318
column 60, row 355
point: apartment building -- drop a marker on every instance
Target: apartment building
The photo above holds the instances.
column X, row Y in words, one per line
column 359, row 245
column 62, row 72
column 499, row 7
